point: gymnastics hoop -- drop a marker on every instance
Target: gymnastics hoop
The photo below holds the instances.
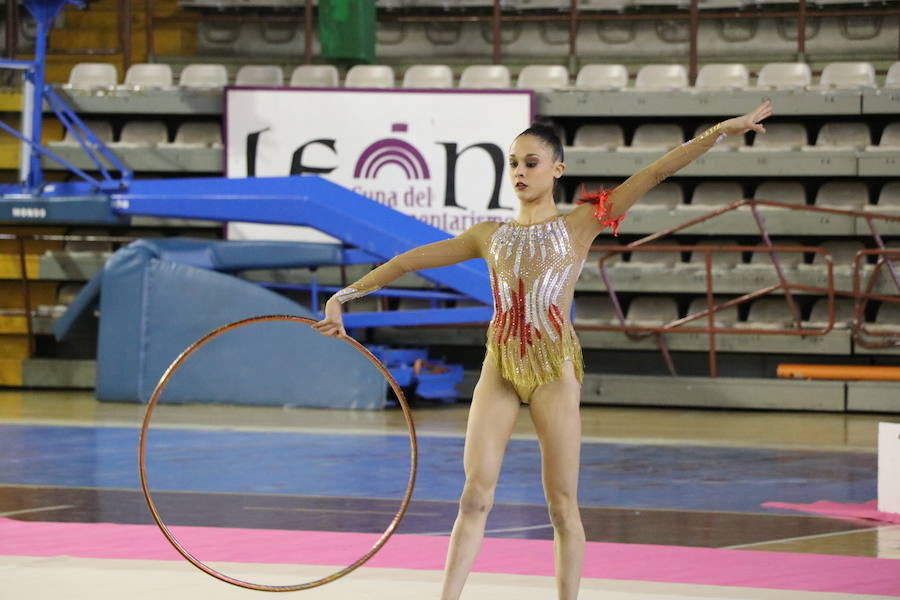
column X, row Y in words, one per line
column 164, row 380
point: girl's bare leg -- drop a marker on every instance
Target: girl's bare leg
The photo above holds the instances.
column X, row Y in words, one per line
column 491, row 419
column 555, row 411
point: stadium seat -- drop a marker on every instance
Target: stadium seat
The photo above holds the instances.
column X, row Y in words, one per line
column 666, row 196
column 779, row 137
column 143, row 133
column 723, row 76
column 595, row 310
column 847, row 75
column 101, row 129
column 723, row 4
column 888, row 199
column 716, row 194
column 428, row 76
column 667, row 3
column 606, row 5
column 890, row 138
column 370, row 76
column 651, row 311
column 788, row 260
column 892, row 79
column 841, row 135
column 843, row 195
column 315, row 76
column 485, row 77
column 887, row 317
column 721, row 261
column 149, row 75
column 543, row 77
column 784, row 75
column 842, row 253
column 661, row 78
column 789, row 192
column 599, row 137
column 723, row 318
column 844, row 313
column 259, row 76
column 728, row 143
column 198, row 133
column 93, row 76
column 655, row 137
column 602, row 77
column 204, row 76
column 656, row 259
column 769, row 313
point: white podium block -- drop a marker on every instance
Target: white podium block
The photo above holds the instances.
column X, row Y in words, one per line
column 889, row 467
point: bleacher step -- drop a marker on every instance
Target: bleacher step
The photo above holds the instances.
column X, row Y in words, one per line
column 58, row 373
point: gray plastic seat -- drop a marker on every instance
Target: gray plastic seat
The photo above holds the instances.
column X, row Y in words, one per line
column 602, row 77
column 661, row 78
column 784, row 75
column 887, row 318
column 843, row 135
column 724, row 318
column 93, row 76
column 668, row 195
column 843, row 195
column 370, row 76
column 655, row 259
column 844, row 313
column 485, row 77
column 847, row 75
column 606, row 137
column 779, row 137
column 888, row 198
column 788, row 260
column 149, row 75
column 892, row 79
column 769, row 313
column 102, row 130
column 788, row 192
column 143, row 133
column 716, row 194
column 651, row 311
column 842, row 254
column 428, row 77
column 259, row 76
column 204, row 76
column 543, row 77
column 655, row 137
column 594, row 310
column 315, row 76
column 721, row 261
column 199, row 134
column 723, row 76
column 890, row 139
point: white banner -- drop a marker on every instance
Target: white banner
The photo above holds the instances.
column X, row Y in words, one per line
column 439, row 156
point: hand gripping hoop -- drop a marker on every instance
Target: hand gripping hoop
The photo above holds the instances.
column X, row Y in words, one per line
column 246, row 584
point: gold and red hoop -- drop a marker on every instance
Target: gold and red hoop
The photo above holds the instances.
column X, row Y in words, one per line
column 392, row 526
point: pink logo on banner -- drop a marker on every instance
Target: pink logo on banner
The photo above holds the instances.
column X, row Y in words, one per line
column 392, row 151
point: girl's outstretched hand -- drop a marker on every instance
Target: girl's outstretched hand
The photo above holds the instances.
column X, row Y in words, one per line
column 750, row 121
column 333, row 323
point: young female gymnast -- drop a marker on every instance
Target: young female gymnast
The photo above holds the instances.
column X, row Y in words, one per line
column 533, row 355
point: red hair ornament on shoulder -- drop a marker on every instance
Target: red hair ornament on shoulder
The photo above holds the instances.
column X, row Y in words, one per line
column 602, row 208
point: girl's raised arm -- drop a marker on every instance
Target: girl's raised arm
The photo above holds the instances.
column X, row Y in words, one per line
column 608, row 208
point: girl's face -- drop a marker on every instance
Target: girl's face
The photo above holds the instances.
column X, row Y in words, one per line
column 532, row 169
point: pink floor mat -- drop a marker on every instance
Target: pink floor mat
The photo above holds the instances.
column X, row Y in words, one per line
column 637, row 562
column 867, row 510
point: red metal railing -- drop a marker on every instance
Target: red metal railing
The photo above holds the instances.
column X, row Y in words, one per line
column 858, row 328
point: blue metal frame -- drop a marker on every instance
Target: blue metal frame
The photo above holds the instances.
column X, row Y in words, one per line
column 36, row 93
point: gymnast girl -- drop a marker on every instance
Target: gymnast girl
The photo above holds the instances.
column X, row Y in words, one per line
column 533, row 355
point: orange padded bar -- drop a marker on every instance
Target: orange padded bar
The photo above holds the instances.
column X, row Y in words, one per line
column 842, row 372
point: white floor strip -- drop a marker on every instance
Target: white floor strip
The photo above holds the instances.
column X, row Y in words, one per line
column 26, row 511
column 810, row 537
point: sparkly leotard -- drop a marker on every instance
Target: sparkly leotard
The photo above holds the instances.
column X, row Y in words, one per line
column 533, row 270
